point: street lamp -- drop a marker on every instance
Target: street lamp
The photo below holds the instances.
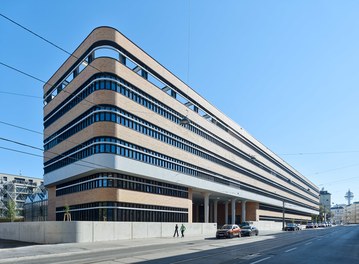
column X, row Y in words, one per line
column 185, row 121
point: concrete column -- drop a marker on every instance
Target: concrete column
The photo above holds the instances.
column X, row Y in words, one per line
column 144, row 74
column 197, row 213
column 206, row 207
column 91, row 57
column 226, row 212
column 211, row 212
column 244, row 211
column 233, row 207
column 215, row 207
column 122, row 59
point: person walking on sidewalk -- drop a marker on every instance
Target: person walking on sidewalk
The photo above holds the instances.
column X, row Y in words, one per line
column 183, row 228
column 176, row 231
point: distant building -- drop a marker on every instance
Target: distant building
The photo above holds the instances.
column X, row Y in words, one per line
column 338, row 213
column 16, row 188
column 35, row 208
column 351, row 214
column 325, row 199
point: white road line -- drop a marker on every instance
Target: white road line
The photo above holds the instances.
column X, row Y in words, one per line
column 260, row 260
column 289, row 250
column 308, row 243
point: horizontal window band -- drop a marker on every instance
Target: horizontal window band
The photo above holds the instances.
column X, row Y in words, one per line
column 111, row 85
column 121, row 181
column 143, row 155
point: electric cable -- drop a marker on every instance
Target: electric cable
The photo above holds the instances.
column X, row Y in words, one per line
column 19, row 127
column 38, row 79
column 42, row 38
column 23, row 152
column 51, row 152
column 19, row 94
column 70, row 54
column 319, row 153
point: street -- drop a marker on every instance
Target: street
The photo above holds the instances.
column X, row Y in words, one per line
column 328, row 245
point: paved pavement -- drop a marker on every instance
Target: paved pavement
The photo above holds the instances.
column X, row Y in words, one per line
column 15, row 251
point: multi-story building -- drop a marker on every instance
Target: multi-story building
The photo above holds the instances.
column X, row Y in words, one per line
column 338, row 214
column 16, row 188
column 325, row 202
column 126, row 140
column 351, row 213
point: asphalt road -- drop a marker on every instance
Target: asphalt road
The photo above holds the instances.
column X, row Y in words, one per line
column 329, row 245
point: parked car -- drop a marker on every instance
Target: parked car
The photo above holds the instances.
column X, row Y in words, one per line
column 321, row 224
column 291, row 227
column 246, row 223
column 228, row 231
column 310, row 225
column 301, row 227
column 249, row 231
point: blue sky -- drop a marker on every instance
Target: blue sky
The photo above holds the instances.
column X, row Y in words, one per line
column 286, row 71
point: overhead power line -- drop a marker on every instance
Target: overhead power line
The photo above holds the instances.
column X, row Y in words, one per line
column 49, row 42
column 35, row 34
column 38, row 79
column 23, row 152
column 19, row 143
column 19, row 94
column 37, row 132
column 61, row 155
column 338, row 168
column 20, row 127
column 44, row 39
column 24, row 73
column 346, row 179
column 319, row 153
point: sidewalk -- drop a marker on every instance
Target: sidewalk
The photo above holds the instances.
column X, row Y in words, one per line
column 24, row 251
column 37, row 251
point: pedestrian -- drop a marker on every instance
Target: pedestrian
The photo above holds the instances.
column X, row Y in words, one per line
column 176, row 231
column 183, row 228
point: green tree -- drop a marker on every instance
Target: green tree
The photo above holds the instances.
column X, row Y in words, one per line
column 11, row 210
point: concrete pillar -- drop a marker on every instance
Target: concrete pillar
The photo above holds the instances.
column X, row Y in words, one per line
column 243, row 210
column 91, row 57
column 206, row 207
column 215, row 207
column 211, row 212
column 226, row 212
column 233, row 207
column 197, row 213
column 144, row 74
column 122, row 59
column 76, row 72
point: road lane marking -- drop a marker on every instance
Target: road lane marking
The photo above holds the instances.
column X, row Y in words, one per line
column 289, row 250
column 308, row 243
column 260, row 260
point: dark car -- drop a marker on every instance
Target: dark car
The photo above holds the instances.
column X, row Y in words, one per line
column 291, row 227
column 249, row 231
column 228, row 231
column 247, row 223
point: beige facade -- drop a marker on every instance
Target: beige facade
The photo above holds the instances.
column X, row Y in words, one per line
column 351, row 214
column 114, row 116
